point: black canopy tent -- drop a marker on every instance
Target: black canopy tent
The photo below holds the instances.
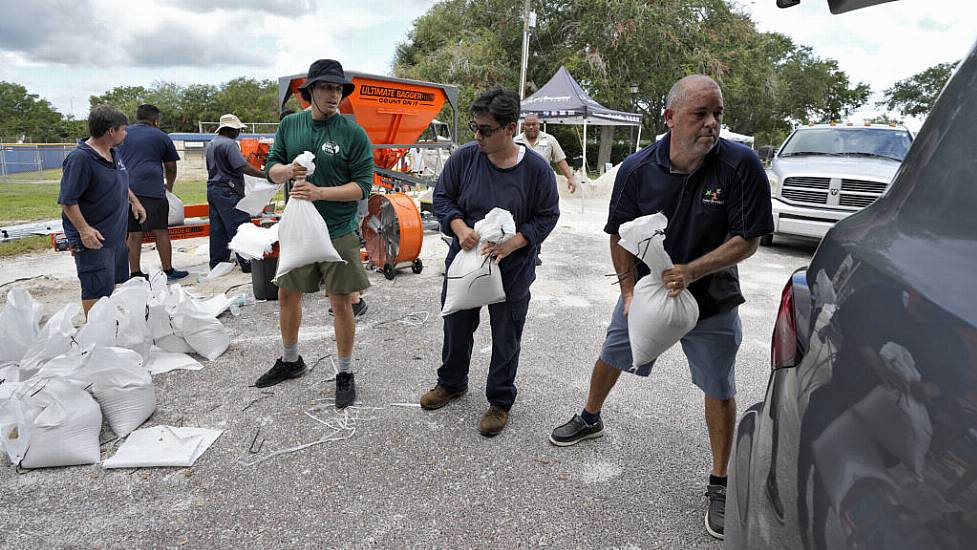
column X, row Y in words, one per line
column 563, row 101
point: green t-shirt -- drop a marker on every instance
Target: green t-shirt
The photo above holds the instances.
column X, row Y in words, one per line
column 343, row 153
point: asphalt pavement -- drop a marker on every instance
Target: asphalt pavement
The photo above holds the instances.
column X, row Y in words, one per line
column 387, row 474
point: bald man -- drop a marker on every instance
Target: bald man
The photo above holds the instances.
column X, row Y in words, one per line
column 717, row 199
column 547, row 147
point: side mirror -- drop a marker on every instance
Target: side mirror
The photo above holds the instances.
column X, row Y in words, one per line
column 766, row 152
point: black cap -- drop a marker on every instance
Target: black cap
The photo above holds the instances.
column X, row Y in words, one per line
column 327, row 70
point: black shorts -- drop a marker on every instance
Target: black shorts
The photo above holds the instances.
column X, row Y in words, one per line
column 157, row 215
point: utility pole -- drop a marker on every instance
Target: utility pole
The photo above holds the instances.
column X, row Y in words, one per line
column 526, row 26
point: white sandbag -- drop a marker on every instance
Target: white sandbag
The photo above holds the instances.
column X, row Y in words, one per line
column 257, row 193
column 19, row 325
column 205, row 334
column 176, row 214
column 53, row 340
column 102, row 324
column 16, row 423
column 59, row 423
column 163, row 446
column 253, row 242
column 162, row 361
column 303, row 238
column 122, row 387
column 132, row 301
column 474, row 279
column 656, row 321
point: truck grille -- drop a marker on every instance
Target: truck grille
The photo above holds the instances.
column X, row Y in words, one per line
column 858, row 201
column 800, row 195
column 863, row 186
column 810, row 183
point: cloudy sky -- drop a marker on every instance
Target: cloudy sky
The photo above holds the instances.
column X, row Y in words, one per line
column 67, row 50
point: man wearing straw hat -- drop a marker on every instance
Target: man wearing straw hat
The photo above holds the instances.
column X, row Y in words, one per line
column 226, row 167
column 343, row 176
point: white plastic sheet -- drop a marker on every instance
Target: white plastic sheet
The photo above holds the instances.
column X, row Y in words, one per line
column 656, row 321
column 163, row 361
column 19, row 325
column 163, row 446
column 257, row 193
column 473, row 279
column 218, row 270
column 176, row 213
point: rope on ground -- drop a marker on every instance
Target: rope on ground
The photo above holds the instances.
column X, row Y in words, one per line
column 22, row 279
column 412, row 319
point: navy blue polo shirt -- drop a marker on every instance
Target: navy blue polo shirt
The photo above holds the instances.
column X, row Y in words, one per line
column 470, row 186
column 143, row 152
column 100, row 188
column 728, row 195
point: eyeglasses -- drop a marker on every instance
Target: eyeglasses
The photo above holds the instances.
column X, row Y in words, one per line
column 486, row 131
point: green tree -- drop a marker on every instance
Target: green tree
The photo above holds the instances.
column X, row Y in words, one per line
column 914, row 96
column 251, row 100
column 26, row 116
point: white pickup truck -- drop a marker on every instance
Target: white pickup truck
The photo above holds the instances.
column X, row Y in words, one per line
column 824, row 173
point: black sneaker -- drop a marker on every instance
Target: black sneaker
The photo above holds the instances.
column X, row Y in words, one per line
column 345, row 390
column 245, row 267
column 575, row 431
column 281, row 372
column 175, row 275
column 136, row 274
column 359, row 308
column 539, row 261
column 716, row 511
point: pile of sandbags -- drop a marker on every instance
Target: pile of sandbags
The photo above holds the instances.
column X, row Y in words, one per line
column 58, row 382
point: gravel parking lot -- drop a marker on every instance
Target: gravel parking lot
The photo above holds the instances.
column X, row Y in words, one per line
column 407, row 477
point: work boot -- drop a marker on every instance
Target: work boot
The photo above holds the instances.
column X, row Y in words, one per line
column 281, row 372
column 493, row 421
column 345, row 390
column 439, row 396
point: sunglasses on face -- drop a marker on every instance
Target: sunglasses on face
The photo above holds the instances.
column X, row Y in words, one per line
column 486, row 131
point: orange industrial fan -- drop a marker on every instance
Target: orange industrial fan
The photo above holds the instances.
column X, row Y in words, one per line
column 393, row 233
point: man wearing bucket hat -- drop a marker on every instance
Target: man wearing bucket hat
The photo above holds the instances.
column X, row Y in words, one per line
column 226, row 167
column 343, row 175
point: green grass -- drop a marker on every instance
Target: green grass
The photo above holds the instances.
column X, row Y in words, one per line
column 28, row 202
column 27, row 244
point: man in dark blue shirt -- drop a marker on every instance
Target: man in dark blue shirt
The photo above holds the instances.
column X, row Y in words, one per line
column 717, row 200
column 226, row 167
column 493, row 171
column 147, row 152
column 93, row 198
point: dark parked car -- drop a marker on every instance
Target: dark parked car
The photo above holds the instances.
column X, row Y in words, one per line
column 867, row 436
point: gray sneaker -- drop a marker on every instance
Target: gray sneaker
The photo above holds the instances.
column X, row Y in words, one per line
column 575, row 431
column 716, row 511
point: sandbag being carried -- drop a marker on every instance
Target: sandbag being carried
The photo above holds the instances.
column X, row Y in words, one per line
column 19, row 324
column 303, row 236
column 176, row 214
column 473, row 279
column 53, row 423
column 656, row 321
column 257, row 193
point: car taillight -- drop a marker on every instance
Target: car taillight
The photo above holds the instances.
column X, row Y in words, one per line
column 783, row 345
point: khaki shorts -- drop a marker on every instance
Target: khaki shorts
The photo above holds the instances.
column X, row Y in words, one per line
column 334, row 277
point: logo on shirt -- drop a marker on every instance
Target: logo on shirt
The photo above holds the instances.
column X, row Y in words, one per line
column 330, row 148
column 714, row 197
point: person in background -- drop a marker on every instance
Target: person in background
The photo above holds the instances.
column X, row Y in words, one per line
column 226, row 168
column 95, row 202
column 549, row 148
column 148, row 153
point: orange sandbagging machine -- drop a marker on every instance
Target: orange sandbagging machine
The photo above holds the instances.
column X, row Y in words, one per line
column 394, row 112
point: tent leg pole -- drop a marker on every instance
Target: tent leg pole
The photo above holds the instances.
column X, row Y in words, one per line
column 637, row 142
column 584, row 171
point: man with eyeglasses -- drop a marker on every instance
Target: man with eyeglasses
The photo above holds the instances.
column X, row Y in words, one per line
column 492, row 172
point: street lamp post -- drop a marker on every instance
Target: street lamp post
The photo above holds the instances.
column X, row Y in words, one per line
column 634, row 107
